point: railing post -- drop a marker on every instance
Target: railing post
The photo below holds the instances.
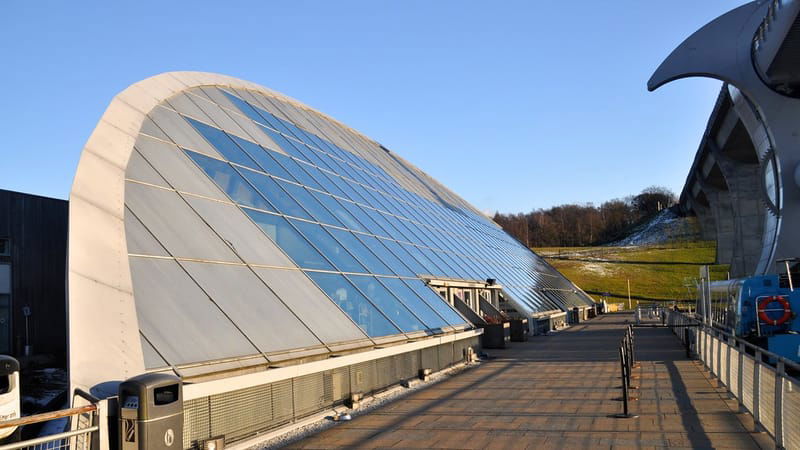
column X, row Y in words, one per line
column 740, row 394
column 757, row 390
column 719, row 360
column 728, row 365
column 102, row 414
column 780, row 372
column 687, row 343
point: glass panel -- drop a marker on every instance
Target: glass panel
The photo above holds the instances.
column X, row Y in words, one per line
column 344, row 186
column 277, row 196
column 367, row 258
column 333, row 206
column 441, row 259
column 329, row 247
column 152, row 359
column 325, row 182
column 356, row 175
column 314, row 140
column 270, row 120
column 292, row 242
column 262, row 157
column 380, row 219
column 285, row 144
column 236, row 228
column 342, row 168
column 401, row 253
column 357, row 212
column 284, row 126
column 248, row 302
column 230, row 181
column 310, row 203
column 387, row 303
column 165, row 292
column 430, row 267
column 317, row 311
column 224, row 144
column 354, row 304
column 140, row 242
column 401, row 234
column 407, row 228
column 245, row 108
column 436, row 302
column 183, row 174
column 294, row 168
column 314, row 156
column 422, row 309
column 385, row 253
column 175, row 225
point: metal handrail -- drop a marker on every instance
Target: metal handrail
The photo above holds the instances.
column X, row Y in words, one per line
column 86, row 396
column 44, row 417
column 50, row 438
column 741, row 341
column 765, row 398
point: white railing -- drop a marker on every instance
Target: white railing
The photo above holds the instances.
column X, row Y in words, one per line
column 757, row 378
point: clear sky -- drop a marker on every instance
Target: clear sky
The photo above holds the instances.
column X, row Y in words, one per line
column 514, row 105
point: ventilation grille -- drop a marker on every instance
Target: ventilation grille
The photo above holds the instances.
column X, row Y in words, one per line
column 238, row 415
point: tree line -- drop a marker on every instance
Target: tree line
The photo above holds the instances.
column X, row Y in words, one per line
column 575, row 225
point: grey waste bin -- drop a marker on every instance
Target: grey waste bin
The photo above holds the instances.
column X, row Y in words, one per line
column 151, row 412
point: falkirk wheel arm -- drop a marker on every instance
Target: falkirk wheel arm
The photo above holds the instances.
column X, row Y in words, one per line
column 723, row 50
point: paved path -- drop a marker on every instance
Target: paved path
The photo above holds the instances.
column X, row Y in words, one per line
column 557, row 392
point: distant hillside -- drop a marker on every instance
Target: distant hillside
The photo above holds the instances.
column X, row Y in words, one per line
column 577, row 225
column 664, row 272
column 664, row 227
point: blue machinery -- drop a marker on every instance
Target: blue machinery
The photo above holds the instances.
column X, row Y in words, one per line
column 761, row 309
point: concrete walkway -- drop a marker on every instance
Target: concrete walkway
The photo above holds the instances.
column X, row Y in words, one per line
column 558, row 392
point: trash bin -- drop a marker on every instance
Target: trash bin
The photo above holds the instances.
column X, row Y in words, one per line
column 9, row 393
column 151, row 412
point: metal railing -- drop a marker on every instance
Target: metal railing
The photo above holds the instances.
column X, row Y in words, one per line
column 649, row 313
column 82, row 427
column 627, row 362
column 757, row 378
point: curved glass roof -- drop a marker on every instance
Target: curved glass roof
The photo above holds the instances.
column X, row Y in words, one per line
column 279, row 230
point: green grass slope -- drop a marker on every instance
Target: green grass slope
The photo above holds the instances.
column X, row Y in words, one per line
column 656, row 273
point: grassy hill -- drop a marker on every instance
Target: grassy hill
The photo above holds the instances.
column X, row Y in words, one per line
column 656, row 273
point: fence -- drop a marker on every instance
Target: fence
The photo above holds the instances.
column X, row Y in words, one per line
column 757, row 378
column 84, row 425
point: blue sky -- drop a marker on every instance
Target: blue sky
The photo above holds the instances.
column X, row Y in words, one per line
column 514, row 105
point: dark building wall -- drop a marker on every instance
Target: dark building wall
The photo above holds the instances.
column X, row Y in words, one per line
column 36, row 229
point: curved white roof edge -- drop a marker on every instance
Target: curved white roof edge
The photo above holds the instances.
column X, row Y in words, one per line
column 103, row 331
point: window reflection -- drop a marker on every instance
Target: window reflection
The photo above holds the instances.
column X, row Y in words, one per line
column 387, row 303
column 229, row 180
column 363, row 313
column 287, row 238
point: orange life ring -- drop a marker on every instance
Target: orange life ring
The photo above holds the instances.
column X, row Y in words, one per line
column 762, row 310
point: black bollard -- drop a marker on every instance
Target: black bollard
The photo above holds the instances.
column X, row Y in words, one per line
column 623, row 366
column 634, row 364
column 628, row 360
column 628, row 347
